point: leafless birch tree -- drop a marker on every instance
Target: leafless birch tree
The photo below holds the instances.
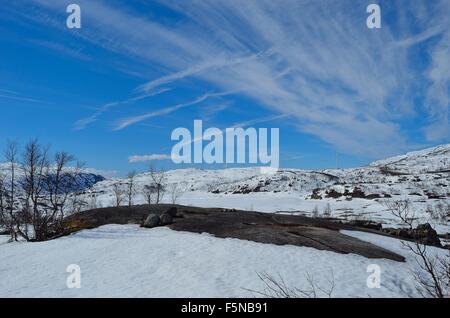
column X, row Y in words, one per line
column 159, row 182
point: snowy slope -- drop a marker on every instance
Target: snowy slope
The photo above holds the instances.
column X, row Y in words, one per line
column 127, row 261
column 428, row 160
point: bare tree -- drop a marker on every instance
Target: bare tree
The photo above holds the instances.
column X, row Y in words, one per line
column 433, row 275
column 278, row 288
column 402, row 211
column 9, row 215
column 131, row 187
column 75, row 201
column 159, row 182
column 149, row 191
column 315, row 212
column 2, row 190
column 92, row 203
column 36, row 209
column 175, row 192
column 119, row 193
column 3, row 220
column 327, row 211
column 60, row 183
column 33, row 205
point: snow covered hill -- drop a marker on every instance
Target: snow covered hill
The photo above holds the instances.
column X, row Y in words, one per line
column 430, row 160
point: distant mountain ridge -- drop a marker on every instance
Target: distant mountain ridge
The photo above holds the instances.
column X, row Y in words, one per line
column 84, row 179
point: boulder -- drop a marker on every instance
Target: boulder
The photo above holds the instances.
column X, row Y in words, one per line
column 427, row 235
column 358, row 193
column 423, row 234
column 333, row 194
column 367, row 224
column 151, row 221
column 165, row 219
column 172, row 212
column 315, row 195
column 373, row 196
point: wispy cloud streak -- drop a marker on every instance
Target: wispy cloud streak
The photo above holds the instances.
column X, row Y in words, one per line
column 11, row 95
column 124, row 123
column 84, row 122
column 145, row 158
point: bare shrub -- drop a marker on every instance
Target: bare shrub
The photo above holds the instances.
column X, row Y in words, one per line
column 402, row 211
column 276, row 287
column 211, row 187
column 433, row 274
column 315, row 212
column 433, row 277
column 327, row 211
column 442, row 212
column 431, row 212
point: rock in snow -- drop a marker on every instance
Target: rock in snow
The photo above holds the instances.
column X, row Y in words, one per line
column 151, row 221
column 172, row 212
column 423, row 234
column 165, row 219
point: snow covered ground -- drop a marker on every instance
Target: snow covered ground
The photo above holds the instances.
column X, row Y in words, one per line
column 128, row 261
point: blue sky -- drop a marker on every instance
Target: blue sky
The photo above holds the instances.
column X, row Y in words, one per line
column 136, row 70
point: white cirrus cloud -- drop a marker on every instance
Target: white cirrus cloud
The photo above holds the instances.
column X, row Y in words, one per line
column 145, row 158
column 353, row 88
column 129, row 121
column 84, row 122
